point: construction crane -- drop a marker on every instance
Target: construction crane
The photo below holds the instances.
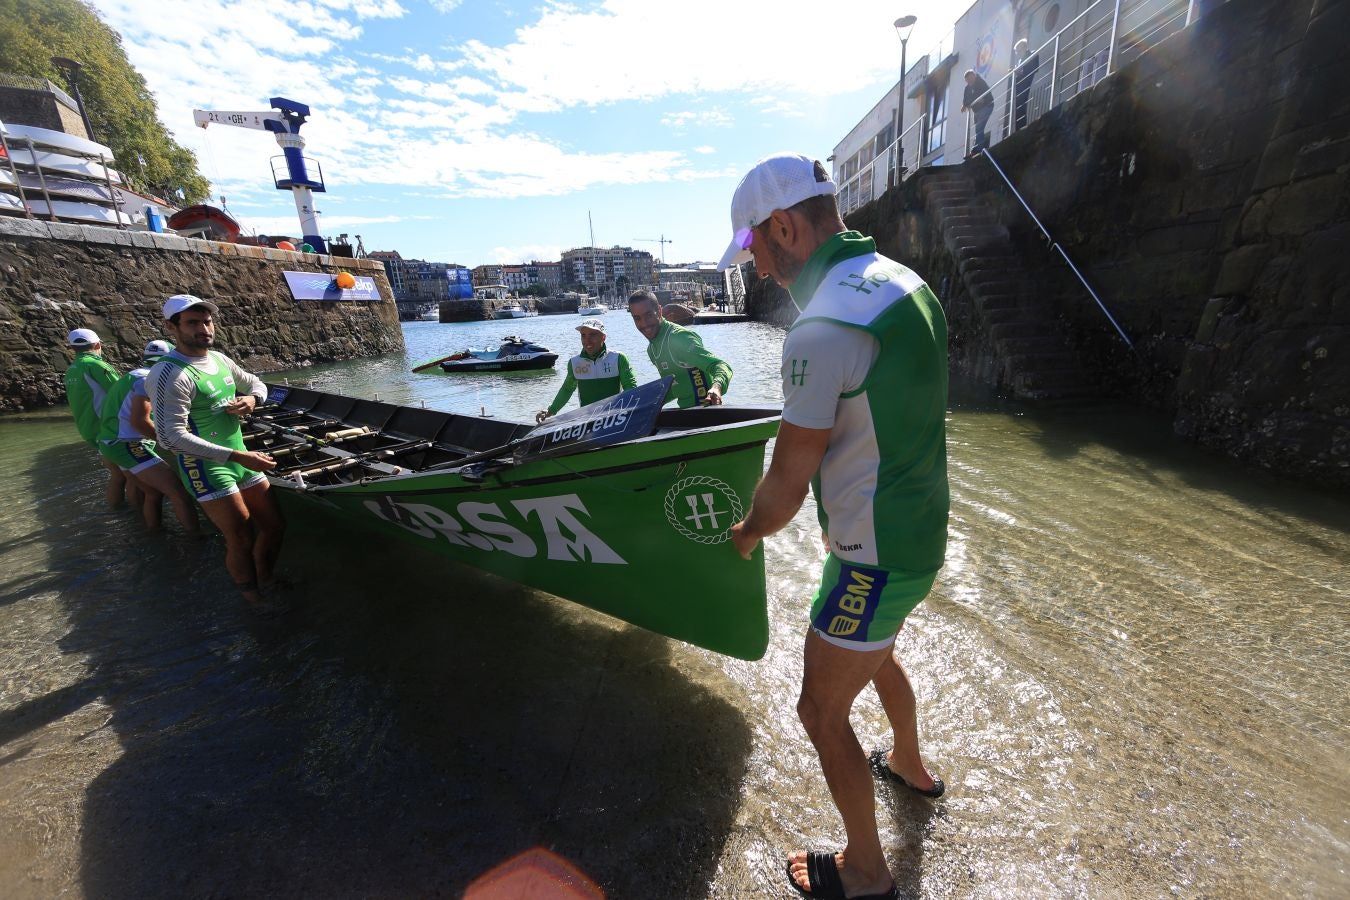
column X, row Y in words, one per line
column 663, row 240
column 283, row 120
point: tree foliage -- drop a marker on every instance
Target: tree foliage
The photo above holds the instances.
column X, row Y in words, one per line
column 120, row 107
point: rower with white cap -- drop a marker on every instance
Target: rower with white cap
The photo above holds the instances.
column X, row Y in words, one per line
column 126, row 438
column 596, row 372
column 87, row 382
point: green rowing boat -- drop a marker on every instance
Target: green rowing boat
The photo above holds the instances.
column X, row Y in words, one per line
column 620, row 506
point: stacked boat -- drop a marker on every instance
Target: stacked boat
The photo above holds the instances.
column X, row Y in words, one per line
column 61, row 177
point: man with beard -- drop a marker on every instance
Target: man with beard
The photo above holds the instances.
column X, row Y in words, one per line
column 700, row 378
column 864, row 376
column 198, row 396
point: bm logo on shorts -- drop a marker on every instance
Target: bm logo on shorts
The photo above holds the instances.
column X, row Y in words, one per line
column 852, row 603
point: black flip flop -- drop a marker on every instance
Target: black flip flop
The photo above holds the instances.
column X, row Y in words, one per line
column 823, row 874
column 876, row 760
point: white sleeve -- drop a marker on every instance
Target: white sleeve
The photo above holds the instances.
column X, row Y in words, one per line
column 170, row 389
column 821, row 362
column 244, row 382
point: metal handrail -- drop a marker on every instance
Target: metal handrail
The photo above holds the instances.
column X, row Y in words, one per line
column 1055, row 246
column 849, row 188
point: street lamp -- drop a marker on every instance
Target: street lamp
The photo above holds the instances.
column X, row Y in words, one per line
column 70, row 68
column 903, row 25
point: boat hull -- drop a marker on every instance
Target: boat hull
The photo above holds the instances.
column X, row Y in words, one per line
column 521, row 363
column 638, row 530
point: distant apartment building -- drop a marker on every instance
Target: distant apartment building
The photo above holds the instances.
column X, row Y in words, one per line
column 487, row 274
column 545, row 274
column 394, row 270
column 676, row 279
column 608, row 270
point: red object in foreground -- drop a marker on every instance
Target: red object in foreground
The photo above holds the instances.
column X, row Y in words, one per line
column 536, row 874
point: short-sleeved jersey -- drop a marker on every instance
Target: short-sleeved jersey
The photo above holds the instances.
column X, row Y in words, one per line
column 116, row 424
column 882, row 488
column 87, row 383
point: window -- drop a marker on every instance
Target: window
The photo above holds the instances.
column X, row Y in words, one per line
column 937, row 119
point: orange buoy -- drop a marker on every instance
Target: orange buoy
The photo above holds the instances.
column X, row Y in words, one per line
column 345, row 280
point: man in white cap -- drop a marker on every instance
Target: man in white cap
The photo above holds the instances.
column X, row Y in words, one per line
column 596, row 372
column 198, row 396
column 864, row 401
column 87, row 383
column 125, row 438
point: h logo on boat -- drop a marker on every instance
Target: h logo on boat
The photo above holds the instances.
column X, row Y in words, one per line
column 703, row 509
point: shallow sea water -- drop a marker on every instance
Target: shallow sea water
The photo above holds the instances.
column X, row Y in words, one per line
column 1131, row 676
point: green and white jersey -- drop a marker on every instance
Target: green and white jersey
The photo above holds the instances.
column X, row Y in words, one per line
column 680, row 352
column 867, row 358
column 116, row 424
column 88, row 381
column 605, row 375
column 188, row 395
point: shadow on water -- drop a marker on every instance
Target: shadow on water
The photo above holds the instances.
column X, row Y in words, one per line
column 406, row 728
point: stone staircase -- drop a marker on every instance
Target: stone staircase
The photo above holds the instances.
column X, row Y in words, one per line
column 1028, row 353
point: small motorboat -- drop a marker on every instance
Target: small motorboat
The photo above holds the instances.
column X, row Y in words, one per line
column 593, row 309
column 514, row 355
column 510, row 311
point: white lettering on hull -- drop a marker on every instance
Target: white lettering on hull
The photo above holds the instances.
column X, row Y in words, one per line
column 491, row 529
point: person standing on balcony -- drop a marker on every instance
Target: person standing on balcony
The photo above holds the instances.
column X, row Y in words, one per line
column 1023, row 76
column 978, row 100
column 864, row 374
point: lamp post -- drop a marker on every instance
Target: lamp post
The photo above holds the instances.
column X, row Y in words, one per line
column 902, row 28
column 70, row 68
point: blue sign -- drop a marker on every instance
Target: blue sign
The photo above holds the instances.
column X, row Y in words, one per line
column 322, row 286
column 458, row 284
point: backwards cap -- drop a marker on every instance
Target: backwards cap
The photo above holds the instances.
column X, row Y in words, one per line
column 776, row 182
column 82, row 337
column 179, row 302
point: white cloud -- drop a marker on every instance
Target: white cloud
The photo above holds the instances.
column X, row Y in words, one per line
column 524, row 253
column 444, row 6
column 708, row 118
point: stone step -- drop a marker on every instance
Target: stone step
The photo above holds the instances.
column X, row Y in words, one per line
column 1015, row 323
column 989, row 303
column 972, row 215
column 1044, row 346
column 972, row 261
column 949, row 195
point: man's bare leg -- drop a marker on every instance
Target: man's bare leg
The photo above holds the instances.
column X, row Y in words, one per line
column 897, row 698
column 268, row 529
column 162, row 479
column 230, row 515
column 832, row 678
column 116, row 490
column 150, row 498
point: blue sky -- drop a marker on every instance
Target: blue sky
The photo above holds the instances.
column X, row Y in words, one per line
column 481, row 131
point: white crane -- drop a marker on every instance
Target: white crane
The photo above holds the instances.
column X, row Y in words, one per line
column 283, row 120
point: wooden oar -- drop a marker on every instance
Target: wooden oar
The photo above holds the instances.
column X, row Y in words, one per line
column 623, row 417
column 362, row 459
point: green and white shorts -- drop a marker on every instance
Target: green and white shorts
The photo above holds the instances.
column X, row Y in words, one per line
column 862, row 607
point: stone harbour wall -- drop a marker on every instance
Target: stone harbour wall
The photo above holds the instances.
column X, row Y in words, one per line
column 55, row 277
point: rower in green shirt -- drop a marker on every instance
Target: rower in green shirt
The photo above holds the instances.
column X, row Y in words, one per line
column 700, row 378
column 88, row 381
column 597, row 372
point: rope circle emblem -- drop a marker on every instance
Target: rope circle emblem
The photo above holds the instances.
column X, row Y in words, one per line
column 708, row 504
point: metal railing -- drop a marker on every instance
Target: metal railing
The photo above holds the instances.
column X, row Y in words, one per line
column 1054, row 245
column 1102, row 38
column 885, row 169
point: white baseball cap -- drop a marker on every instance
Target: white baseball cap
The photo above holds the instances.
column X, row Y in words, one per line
column 82, row 337
column 594, row 324
column 179, row 302
column 776, row 182
column 156, row 349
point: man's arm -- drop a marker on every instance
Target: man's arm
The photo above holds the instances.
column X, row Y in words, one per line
column 140, row 415
column 560, row 399
column 627, row 380
column 690, row 352
column 796, row 458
